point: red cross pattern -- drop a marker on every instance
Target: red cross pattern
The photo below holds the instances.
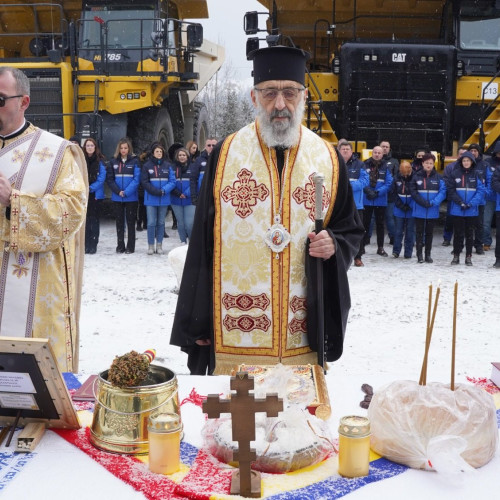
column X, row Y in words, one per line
column 244, row 193
column 306, row 196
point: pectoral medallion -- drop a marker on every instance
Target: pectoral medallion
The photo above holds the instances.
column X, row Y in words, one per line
column 277, row 237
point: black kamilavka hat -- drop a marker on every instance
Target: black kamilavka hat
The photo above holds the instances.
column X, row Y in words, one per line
column 279, row 63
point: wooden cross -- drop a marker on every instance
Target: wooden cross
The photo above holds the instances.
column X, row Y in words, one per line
column 243, row 406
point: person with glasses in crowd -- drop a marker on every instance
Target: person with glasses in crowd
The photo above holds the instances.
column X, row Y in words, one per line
column 249, row 289
column 43, row 198
column 198, row 169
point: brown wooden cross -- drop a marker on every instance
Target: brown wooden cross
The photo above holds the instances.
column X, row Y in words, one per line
column 243, row 406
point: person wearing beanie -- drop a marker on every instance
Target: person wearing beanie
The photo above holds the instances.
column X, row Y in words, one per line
column 466, row 192
column 249, row 289
column 448, row 221
column 428, row 190
column 482, row 169
column 416, row 164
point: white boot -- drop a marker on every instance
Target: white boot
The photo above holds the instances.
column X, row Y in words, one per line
column 151, row 249
column 159, row 249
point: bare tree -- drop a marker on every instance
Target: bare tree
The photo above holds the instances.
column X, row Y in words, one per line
column 227, row 101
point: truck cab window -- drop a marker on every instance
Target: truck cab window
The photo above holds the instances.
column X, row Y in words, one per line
column 122, row 28
column 479, row 26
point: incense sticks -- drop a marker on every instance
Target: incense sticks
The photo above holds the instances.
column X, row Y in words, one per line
column 454, row 336
column 428, row 336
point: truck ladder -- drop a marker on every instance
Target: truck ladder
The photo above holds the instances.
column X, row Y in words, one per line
column 315, row 118
column 491, row 130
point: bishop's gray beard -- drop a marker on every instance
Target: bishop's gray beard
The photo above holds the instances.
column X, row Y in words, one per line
column 280, row 133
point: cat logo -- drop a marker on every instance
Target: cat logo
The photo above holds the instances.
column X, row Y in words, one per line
column 398, row 57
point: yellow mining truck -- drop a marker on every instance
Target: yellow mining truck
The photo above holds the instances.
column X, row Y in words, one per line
column 112, row 68
column 414, row 72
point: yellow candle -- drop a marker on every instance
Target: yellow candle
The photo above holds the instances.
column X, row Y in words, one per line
column 164, row 431
column 354, row 446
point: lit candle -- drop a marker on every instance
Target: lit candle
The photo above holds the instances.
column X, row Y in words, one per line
column 354, row 446
column 164, row 432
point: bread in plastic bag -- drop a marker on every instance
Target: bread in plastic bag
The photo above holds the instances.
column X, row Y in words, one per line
column 432, row 427
column 293, row 440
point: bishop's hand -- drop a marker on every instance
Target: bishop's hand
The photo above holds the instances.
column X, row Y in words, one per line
column 321, row 245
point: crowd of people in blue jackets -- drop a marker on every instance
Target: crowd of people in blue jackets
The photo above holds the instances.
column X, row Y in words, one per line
column 406, row 199
column 142, row 189
column 403, row 197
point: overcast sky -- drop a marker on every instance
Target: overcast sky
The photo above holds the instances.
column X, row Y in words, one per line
column 225, row 27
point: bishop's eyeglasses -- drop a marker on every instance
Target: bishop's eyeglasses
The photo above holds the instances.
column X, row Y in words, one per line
column 4, row 98
column 288, row 93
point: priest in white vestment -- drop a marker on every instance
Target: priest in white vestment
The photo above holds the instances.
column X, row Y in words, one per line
column 43, row 198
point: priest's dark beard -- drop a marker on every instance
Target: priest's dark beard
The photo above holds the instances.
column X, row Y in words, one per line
column 280, row 133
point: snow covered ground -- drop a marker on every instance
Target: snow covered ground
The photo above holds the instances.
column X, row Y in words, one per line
column 129, row 303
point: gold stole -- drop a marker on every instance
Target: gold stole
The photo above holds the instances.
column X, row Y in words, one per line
column 30, row 163
column 260, row 297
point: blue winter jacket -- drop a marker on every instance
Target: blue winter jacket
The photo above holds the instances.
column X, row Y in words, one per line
column 495, row 187
column 400, row 191
column 158, row 180
column 97, row 187
column 427, row 191
column 492, row 164
column 358, row 179
column 197, row 173
column 124, row 177
column 182, row 185
column 482, row 170
column 383, row 183
column 465, row 188
column 393, row 166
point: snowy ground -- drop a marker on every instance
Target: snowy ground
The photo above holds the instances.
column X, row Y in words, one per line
column 129, row 303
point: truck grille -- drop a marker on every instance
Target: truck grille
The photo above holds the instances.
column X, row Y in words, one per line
column 45, row 110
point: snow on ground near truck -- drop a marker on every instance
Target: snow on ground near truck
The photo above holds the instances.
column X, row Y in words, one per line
column 129, row 303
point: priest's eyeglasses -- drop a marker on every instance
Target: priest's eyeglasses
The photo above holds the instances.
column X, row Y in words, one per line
column 288, row 93
column 4, row 98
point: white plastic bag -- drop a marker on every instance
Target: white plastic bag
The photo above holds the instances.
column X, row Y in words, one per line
column 432, row 427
